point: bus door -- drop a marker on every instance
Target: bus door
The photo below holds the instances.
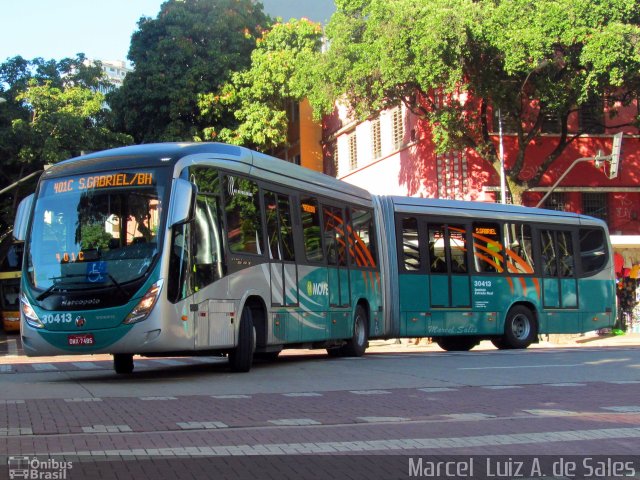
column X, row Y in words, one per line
column 282, row 265
column 334, row 231
column 449, row 286
column 448, row 266
column 560, row 286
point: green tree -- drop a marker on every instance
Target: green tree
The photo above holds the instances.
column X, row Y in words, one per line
column 190, row 48
column 52, row 111
column 453, row 62
column 63, row 122
column 260, row 95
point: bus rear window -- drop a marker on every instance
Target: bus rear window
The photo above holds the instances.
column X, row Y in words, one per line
column 593, row 250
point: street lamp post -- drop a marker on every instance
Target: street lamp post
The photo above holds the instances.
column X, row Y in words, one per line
column 613, row 159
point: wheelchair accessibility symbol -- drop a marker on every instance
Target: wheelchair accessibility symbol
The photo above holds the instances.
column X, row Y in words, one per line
column 97, row 272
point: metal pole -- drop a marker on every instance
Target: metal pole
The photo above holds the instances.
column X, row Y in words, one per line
column 585, row 159
column 503, row 183
column 22, row 180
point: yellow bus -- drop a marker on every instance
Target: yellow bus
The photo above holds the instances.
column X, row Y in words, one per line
column 10, row 273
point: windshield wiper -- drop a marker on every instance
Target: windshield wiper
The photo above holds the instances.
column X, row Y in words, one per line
column 56, row 286
column 47, row 292
column 115, row 282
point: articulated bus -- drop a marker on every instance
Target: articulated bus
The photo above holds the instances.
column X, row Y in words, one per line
column 212, row 249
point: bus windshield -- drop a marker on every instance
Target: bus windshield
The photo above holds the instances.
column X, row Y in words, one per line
column 95, row 230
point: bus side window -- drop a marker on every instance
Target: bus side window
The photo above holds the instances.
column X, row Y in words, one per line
column 310, row 215
column 519, row 249
column 243, row 213
column 362, row 238
column 565, row 254
column 487, row 248
column 548, row 251
column 458, row 248
column 207, row 248
column 437, row 253
column 410, row 244
column 334, row 235
column 279, row 226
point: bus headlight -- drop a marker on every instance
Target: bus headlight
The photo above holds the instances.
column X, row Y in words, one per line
column 29, row 313
column 145, row 305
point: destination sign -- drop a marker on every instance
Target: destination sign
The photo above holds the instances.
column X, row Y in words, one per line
column 112, row 180
column 485, row 231
column 308, row 208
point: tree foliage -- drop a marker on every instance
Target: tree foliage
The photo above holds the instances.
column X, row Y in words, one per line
column 52, row 111
column 453, row 62
column 260, row 95
column 189, row 49
column 63, row 122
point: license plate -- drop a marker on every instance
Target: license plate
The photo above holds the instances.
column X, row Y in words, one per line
column 81, row 340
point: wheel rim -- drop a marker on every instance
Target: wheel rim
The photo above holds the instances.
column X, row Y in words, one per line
column 521, row 327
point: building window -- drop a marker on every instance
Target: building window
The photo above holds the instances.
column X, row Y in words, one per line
column 591, row 115
column 551, row 123
column 509, row 122
column 595, row 205
column 332, row 165
column 294, row 112
column 353, row 151
column 397, row 127
column 556, row 201
column 376, row 143
column 452, row 172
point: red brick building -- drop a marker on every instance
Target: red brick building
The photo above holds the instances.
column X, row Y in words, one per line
column 392, row 153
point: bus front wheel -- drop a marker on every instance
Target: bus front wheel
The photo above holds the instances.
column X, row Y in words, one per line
column 520, row 328
column 241, row 357
column 123, row 363
column 359, row 341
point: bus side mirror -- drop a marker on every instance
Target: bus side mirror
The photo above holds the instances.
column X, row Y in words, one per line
column 183, row 201
column 22, row 218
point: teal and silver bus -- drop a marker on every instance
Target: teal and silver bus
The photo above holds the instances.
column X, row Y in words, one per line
column 213, row 249
column 196, row 249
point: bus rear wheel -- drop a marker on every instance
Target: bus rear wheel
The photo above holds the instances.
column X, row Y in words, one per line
column 520, row 328
column 123, row 363
column 241, row 357
column 499, row 343
column 457, row 344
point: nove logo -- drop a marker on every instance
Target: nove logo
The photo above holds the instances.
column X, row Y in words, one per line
column 321, row 288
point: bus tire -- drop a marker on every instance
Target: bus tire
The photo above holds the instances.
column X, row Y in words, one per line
column 457, row 343
column 241, row 357
column 123, row 363
column 520, row 328
column 499, row 343
column 359, row 341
